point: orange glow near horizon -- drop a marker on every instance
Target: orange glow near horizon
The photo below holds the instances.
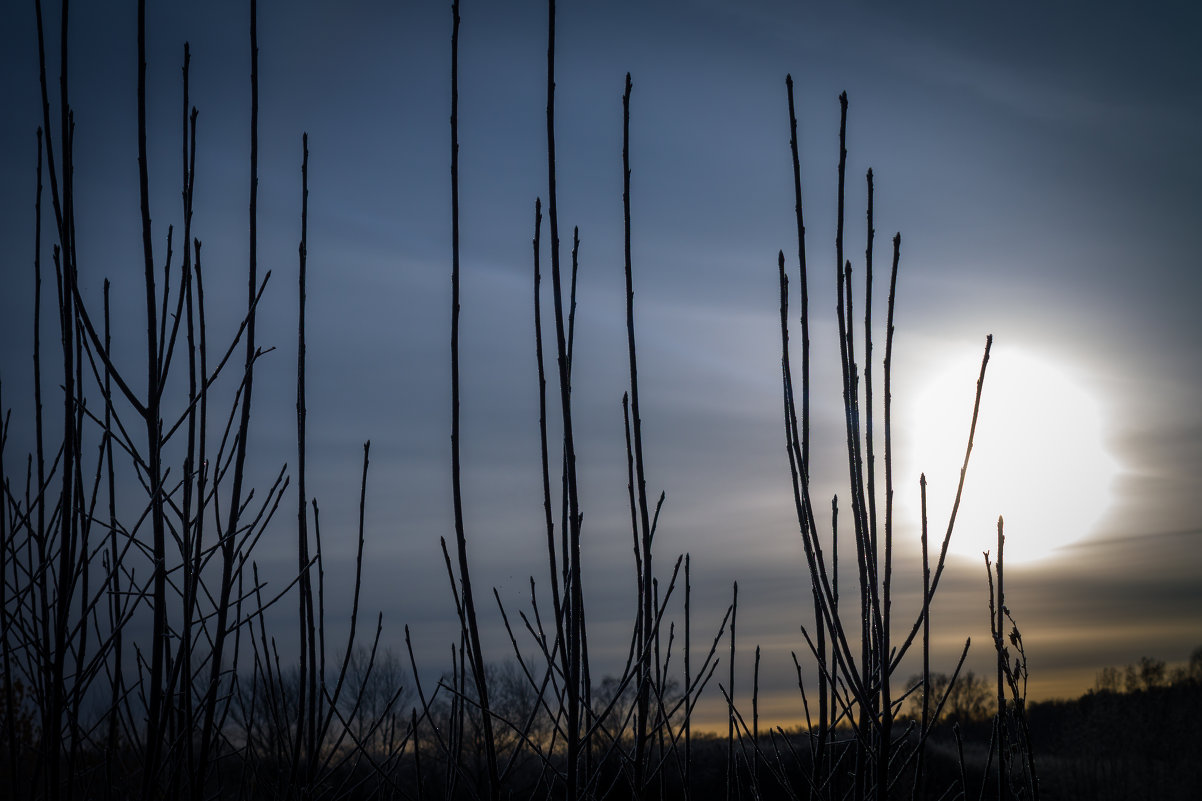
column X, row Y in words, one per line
column 710, row 716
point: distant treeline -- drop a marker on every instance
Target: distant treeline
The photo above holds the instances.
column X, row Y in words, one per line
column 1136, row 734
column 1148, row 674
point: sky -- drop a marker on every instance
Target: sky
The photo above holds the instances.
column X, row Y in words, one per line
column 1040, row 163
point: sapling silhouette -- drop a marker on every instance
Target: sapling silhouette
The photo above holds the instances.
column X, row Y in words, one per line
column 163, row 617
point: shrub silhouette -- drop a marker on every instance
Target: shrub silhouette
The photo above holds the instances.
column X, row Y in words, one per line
column 157, row 672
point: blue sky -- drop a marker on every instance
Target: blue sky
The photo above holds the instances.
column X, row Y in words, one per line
column 1041, row 165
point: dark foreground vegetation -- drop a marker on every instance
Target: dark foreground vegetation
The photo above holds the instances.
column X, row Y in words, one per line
column 138, row 661
column 1137, row 734
column 1138, row 741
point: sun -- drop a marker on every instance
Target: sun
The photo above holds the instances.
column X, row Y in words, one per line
column 1039, row 458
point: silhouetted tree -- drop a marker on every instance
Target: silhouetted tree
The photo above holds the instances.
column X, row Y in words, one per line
column 1109, row 680
column 969, row 699
column 1146, row 674
column 377, row 699
column 1195, row 664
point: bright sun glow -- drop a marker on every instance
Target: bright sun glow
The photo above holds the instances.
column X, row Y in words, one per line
column 1038, row 458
